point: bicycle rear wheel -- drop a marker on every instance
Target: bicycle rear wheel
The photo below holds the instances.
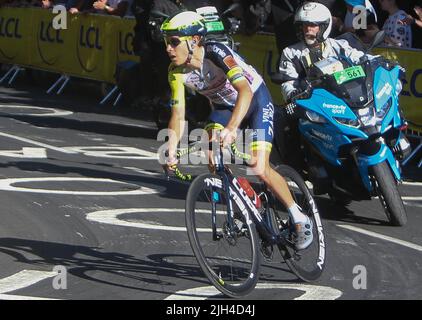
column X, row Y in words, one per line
column 307, row 264
column 229, row 256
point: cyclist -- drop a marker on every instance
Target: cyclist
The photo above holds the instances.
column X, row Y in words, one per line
column 313, row 22
column 238, row 94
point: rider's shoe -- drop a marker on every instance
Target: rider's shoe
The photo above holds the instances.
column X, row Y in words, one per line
column 302, row 234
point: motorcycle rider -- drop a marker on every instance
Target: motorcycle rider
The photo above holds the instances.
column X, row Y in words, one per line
column 313, row 22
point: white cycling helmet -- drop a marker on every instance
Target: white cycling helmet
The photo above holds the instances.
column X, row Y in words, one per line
column 317, row 13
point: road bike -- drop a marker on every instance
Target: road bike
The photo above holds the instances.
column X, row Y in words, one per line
column 230, row 232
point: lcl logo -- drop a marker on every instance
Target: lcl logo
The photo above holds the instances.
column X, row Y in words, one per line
column 125, row 43
column 49, row 34
column 9, row 28
column 90, row 38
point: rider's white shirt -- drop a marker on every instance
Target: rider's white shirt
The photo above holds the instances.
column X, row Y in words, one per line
column 300, row 51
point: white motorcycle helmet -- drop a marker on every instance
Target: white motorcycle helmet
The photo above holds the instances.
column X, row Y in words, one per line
column 316, row 13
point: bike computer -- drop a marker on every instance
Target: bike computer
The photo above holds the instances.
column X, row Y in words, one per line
column 213, row 21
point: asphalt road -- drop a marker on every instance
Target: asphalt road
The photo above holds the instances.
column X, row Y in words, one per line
column 82, row 196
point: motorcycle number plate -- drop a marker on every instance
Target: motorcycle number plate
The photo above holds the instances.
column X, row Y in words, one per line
column 349, row 74
column 214, row 26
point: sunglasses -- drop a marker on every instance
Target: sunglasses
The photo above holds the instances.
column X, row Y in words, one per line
column 174, row 41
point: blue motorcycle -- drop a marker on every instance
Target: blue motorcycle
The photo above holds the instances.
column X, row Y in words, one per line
column 350, row 132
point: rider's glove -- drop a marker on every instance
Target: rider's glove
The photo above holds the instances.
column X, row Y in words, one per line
column 292, row 94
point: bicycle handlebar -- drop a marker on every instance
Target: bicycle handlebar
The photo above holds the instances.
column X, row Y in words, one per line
column 196, row 147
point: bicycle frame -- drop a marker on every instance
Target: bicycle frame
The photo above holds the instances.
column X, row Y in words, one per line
column 236, row 193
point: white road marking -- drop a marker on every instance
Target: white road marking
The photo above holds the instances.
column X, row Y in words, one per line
column 412, row 198
column 152, row 127
column 23, row 279
column 40, row 144
column 382, row 237
column 311, row 292
column 26, row 152
column 115, row 152
column 417, row 184
column 15, row 297
column 409, row 204
column 148, row 173
column 112, row 217
column 52, row 111
column 7, row 185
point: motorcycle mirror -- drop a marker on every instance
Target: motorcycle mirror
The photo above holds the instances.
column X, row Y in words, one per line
column 378, row 39
column 232, row 7
column 158, row 14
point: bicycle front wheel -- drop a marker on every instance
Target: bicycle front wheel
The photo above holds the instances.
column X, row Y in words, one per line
column 227, row 252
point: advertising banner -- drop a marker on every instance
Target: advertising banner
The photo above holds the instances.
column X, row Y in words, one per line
column 16, row 36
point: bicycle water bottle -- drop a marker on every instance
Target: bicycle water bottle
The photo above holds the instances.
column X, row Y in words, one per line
column 244, row 183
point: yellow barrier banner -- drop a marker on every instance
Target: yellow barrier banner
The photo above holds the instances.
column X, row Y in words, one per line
column 86, row 48
column 125, row 36
column 16, row 36
column 92, row 45
column 411, row 96
column 255, row 49
column 52, row 48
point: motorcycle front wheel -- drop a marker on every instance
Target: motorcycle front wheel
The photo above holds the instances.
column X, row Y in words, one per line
column 389, row 195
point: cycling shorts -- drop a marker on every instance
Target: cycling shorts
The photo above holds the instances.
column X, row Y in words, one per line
column 259, row 119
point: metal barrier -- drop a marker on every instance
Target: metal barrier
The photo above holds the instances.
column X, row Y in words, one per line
column 417, row 135
column 14, row 70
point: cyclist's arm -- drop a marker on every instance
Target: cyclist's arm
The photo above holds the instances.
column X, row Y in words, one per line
column 244, row 99
column 177, row 119
column 224, row 59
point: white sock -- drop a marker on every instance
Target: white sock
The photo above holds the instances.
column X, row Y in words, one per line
column 296, row 214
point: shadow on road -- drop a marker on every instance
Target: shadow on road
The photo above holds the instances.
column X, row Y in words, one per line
column 98, row 127
column 334, row 212
column 89, row 262
column 152, row 274
column 80, row 96
column 173, row 189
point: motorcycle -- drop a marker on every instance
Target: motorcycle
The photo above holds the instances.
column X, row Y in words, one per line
column 351, row 132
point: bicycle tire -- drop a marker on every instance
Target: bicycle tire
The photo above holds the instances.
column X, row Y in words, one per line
column 291, row 256
column 251, row 274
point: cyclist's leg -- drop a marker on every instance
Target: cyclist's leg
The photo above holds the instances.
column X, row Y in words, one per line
column 217, row 120
column 261, row 121
column 260, row 118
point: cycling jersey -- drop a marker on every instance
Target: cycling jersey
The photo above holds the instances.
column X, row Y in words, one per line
column 220, row 69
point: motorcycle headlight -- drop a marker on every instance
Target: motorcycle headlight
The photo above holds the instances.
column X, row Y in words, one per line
column 384, row 110
column 348, row 122
column 315, row 117
column 367, row 116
